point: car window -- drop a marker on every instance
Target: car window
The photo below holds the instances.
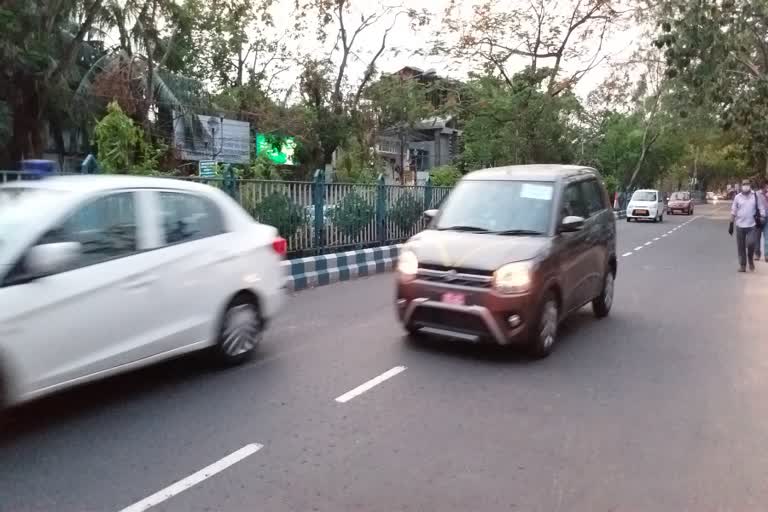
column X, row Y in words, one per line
column 499, row 206
column 593, row 195
column 187, row 217
column 679, row 196
column 644, row 195
column 574, row 203
column 105, row 227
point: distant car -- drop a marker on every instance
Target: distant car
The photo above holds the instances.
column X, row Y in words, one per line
column 512, row 252
column 680, row 202
column 103, row 274
column 646, row 204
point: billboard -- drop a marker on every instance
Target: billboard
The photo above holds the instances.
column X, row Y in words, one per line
column 225, row 140
column 280, row 150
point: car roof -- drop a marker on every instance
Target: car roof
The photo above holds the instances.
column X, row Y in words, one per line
column 646, row 190
column 535, row 172
column 88, row 183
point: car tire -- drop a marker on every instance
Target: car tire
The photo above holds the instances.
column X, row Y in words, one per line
column 544, row 336
column 661, row 219
column 629, row 219
column 240, row 332
column 602, row 305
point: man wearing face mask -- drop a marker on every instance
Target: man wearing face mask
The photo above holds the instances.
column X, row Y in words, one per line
column 747, row 213
column 761, row 248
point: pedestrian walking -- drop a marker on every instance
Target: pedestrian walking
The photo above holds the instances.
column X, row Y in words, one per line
column 747, row 215
column 761, row 246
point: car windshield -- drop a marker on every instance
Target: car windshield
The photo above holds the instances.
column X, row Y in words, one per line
column 679, row 196
column 19, row 206
column 504, row 207
column 644, row 195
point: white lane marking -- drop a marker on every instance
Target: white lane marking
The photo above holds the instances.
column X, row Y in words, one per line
column 656, row 239
column 194, row 479
column 665, row 235
column 648, row 243
column 362, row 388
column 638, row 248
column 626, row 254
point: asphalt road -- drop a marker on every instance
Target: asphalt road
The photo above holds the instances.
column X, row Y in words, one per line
column 661, row 407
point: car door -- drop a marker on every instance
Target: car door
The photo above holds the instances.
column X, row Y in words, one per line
column 195, row 256
column 575, row 266
column 89, row 317
column 598, row 233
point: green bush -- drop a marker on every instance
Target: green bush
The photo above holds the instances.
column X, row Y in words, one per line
column 352, row 214
column 406, row 211
column 280, row 211
column 445, row 176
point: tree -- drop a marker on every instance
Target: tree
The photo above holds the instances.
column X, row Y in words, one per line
column 719, row 53
column 122, row 148
column 41, row 47
column 539, row 35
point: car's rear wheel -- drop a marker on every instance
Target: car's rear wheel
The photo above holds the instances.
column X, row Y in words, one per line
column 629, row 219
column 544, row 335
column 602, row 305
column 241, row 331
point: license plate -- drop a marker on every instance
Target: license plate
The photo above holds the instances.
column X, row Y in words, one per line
column 456, row 299
column 641, row 212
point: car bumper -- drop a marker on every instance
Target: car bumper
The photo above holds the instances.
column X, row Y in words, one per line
column 638, row 214
column 486, row 316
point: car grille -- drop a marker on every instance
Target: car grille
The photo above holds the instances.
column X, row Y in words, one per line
column 456, row 276
column 453, row 320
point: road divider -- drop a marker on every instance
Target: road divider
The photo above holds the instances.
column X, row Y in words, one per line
column 326, row 269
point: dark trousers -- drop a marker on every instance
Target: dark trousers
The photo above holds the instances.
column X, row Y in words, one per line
column 745, row 244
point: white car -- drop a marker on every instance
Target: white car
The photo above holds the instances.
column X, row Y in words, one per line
column 646, row 204
column 103, row 274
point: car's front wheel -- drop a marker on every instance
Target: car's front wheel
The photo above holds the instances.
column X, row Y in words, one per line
column 241, row 331
column 602, row 305
column 544, row 335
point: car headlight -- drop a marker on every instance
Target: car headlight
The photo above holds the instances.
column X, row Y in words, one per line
column 513, row 277
column 407, row 263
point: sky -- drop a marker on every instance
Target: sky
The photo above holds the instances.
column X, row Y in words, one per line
column 407, row 43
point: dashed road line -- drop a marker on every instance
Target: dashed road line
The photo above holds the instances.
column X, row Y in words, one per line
column 638, row 248
column 626, row 254
column 194, row 479
column 648, row 243
column 362, row 388
column 656, row 239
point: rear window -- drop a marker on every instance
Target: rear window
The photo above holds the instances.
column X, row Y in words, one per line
column 680, row 196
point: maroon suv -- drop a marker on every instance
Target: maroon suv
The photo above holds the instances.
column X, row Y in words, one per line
column 680, row 202
column 511, row 253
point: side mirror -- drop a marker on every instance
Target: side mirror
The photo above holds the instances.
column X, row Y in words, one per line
column 430, row 214
column 47, row 259
column 572, row 223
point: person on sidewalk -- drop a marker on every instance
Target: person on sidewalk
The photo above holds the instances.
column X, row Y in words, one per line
column 761, row 248
column 747, row 212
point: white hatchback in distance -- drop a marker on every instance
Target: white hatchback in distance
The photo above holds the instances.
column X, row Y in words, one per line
column 646, row 205
column 104, row 274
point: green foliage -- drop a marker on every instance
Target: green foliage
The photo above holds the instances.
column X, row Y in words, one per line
column 406, row 211
column 352, row 214
column 122, row 148
column 445, row 176
column 278, row 210
column 355, row 165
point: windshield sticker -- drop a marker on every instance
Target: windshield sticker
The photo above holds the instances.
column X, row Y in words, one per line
column 533, row 191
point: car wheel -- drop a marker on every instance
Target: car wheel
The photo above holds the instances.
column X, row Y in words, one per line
column 241, row 331
column 544, row 336
column 601, row 306
column 629, row 219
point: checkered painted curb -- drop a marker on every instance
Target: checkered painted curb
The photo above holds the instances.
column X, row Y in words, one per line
column 343, row 266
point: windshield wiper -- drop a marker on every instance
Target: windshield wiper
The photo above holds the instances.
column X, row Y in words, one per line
column 513, row 232
column 473, row 229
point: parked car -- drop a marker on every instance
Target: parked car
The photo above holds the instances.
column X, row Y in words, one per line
column 680, row 202
column 646, row 204
column 103, row 274
column 511, row 253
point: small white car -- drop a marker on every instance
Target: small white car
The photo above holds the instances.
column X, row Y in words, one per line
column 646, row 204
column 103, row 274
